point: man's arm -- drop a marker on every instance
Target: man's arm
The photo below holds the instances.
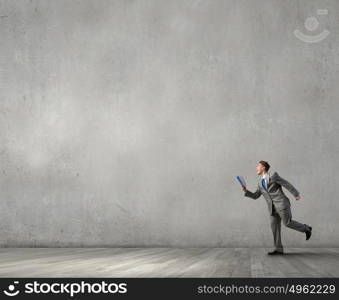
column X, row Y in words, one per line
column 287, row 185
column 254, row 195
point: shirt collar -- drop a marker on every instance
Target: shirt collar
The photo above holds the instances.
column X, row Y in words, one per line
column 266, row 176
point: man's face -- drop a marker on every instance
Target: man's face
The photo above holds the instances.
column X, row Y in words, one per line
column 260, row 169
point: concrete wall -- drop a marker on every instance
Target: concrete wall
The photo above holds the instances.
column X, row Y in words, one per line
column 124, row 123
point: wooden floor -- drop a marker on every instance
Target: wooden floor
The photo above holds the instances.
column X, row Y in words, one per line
column 167, row 262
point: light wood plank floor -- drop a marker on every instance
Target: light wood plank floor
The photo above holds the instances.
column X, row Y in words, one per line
column 167, row 262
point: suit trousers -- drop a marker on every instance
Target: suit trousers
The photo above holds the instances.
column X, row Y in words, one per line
column 285, row 216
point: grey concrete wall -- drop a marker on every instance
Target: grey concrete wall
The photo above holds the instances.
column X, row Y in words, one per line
column 124, row 123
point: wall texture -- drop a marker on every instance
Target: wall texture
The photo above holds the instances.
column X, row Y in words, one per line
column 124, row 123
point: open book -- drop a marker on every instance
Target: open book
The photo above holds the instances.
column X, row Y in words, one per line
column 241, row 180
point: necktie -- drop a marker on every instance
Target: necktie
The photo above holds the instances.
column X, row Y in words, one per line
column 263, row 182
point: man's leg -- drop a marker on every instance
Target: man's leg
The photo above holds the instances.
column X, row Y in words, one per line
column 286, row 217
column 276, row 230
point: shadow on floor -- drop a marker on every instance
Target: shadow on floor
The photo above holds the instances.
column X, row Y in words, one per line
column 308, row 253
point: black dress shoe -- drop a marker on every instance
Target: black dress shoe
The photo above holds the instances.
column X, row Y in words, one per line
column 275, row 252
column 308, row 233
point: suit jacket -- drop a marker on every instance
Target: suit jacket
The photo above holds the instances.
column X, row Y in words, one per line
column 275, row 193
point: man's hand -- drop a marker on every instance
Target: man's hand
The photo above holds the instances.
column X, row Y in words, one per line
column 298, row 197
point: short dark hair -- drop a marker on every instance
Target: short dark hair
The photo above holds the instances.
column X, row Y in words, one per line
column 265, row 164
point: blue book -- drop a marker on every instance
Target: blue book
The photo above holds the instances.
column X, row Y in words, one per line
column 241, row 180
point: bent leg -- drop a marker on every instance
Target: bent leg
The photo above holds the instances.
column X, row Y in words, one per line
column 276, row 230
column 286, row 217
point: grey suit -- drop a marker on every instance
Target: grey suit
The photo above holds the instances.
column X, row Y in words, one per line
column 279, row 206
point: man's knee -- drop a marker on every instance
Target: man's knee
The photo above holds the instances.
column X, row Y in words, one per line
column 287, row 221
column 286, row 217
column 274, row 223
